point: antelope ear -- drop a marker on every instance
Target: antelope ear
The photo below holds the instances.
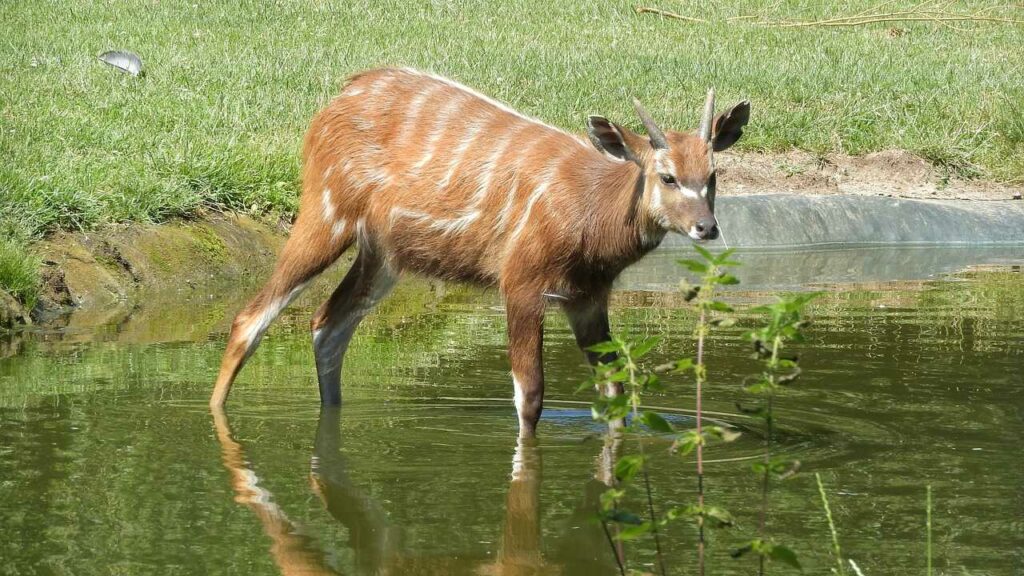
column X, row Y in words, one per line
column 728, row 126
column 610, row 138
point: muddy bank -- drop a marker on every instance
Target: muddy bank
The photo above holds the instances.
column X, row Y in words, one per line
column 99, row 278
column 890, row 173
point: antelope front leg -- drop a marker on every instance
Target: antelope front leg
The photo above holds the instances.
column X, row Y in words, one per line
column 525, row 340
column 588, row 317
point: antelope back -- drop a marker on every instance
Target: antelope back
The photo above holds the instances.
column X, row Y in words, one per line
column 447, row 180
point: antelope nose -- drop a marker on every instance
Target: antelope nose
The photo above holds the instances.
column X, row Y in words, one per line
column 707, row 229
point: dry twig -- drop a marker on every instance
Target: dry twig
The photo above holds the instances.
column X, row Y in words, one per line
column 934, row 11
column 667, row 14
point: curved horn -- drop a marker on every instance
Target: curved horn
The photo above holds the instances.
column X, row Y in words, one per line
column 709, row 114
column 657, row 136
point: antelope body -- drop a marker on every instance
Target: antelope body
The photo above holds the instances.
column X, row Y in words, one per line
column 428, row 176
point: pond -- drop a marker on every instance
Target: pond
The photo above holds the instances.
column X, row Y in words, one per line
column 110, row 461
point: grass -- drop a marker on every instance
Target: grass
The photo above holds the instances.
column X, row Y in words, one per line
column 218, row 118
column 20, row 273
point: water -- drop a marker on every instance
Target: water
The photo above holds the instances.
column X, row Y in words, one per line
column 110, row 462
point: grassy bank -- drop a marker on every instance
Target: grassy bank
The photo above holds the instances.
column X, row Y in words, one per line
column 229, row 88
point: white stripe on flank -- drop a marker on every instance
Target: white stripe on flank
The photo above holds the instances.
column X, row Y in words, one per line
column 412, row 115
column 546, row 180
column 507, row 209
column 440, row 126
column 397, row 212
column 525, row 217
column 460, row 150
column 490, row 165
column 445, row 225
column 453, row 225
column 328, row 204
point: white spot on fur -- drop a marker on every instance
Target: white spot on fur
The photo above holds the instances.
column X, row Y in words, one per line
column 327, row 173
column 656, row 203
column 337, row 229
column 328, row 204
column 663, row 164
column 361, row 123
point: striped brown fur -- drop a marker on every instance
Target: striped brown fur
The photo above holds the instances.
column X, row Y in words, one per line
column 429, row 177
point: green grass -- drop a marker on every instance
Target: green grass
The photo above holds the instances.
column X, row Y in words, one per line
column 19, row 273
column 229, row 88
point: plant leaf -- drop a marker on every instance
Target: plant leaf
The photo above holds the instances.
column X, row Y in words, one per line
column 718, row 306
column 705, row 253
column 655, row 422
column 628, row 467
column 694, row 266
column 604, row 347
column 634, row 531
column 785, row 555
column 640, row 350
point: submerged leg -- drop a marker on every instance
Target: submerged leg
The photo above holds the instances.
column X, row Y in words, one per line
column 589, row 320
column 525, row 341
column 308, row 252
column 368, row 281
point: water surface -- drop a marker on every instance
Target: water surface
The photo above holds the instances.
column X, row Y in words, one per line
column 110, row 461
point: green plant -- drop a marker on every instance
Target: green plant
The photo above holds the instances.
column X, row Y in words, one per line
column 783, row 326
column 624, row 369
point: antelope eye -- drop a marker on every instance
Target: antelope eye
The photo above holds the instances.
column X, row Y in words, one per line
column 668, row 179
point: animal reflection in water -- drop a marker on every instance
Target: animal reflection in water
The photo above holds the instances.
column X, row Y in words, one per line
column 377, row 544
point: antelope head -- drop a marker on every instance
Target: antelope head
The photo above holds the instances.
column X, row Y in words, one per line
column 678, row 167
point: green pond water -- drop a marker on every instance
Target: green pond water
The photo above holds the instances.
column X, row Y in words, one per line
column 110, row 462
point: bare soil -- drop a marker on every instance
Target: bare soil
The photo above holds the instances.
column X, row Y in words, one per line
column 893, row 173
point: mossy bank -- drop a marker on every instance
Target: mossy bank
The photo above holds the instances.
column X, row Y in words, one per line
column 92, row 279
